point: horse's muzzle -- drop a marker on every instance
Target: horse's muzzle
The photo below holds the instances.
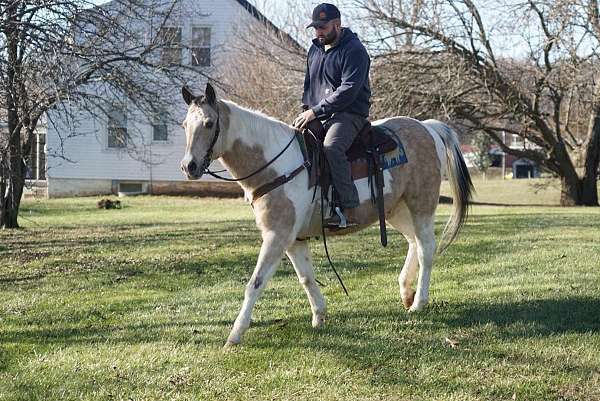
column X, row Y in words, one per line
column 190, row 169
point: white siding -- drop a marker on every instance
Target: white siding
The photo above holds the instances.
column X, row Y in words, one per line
column 83, row 142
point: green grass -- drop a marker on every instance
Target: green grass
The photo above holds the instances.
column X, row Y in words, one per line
column 136, row 304
column 535, row 192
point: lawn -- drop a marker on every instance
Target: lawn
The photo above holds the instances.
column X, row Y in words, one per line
column 136, row 304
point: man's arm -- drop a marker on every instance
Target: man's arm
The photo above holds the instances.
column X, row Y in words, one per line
column 306, row 83
column 304, row 117
column 355, row 72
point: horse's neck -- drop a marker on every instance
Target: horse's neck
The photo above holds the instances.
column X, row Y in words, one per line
column 252, row 140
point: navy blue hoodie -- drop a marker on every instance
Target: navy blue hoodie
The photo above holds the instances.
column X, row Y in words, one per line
column 338, row 79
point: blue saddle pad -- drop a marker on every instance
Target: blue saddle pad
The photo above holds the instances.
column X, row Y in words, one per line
column 397, row 156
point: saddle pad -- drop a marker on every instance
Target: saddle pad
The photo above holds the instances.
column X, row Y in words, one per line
column 397, row 157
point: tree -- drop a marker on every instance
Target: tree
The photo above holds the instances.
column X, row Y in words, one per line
column 548, row 93
column 268, row 64
column 59, row 53
column 481, row 155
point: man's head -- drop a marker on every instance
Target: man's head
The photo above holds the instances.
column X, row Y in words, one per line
column 327, row 22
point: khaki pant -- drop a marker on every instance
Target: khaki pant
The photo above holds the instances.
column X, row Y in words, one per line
column 342, row 128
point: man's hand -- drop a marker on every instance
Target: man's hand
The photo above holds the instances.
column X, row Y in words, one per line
column 304, row 118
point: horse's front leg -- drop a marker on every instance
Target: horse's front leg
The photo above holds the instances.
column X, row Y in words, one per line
column 299, row 254
column 271, row 253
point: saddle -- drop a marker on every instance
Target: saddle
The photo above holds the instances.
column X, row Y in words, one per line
column 367, row 141
column 366, row 158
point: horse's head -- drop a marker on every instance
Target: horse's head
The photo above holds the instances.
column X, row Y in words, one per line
column 201, row 130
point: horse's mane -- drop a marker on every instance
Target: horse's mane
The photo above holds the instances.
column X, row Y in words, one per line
column 257, row 120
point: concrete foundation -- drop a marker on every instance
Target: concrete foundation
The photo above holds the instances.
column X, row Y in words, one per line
column 67, row 187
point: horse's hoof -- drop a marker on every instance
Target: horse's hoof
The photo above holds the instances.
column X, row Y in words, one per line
column 408, row 301
column 230, row 345
column 417, row 307
column 318, row 322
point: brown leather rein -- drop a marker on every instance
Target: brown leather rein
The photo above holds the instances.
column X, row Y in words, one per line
column 268, row 187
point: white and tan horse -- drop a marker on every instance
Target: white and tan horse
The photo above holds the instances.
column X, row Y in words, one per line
column 245, row 140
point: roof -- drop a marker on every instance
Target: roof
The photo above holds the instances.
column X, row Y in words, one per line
column 260, row 17
column 256, row 14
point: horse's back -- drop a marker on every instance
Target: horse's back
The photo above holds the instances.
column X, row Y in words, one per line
column 418, row 181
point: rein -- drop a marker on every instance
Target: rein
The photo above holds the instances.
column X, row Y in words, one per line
column 280, row 180
column 214, row 174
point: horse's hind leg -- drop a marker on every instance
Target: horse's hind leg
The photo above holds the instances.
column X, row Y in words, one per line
column 425, row 239
column 401, row 220
column 271, row 252
column 408, row 273
column 299, row 255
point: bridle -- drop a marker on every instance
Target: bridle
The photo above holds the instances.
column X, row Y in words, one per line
column 208, row 157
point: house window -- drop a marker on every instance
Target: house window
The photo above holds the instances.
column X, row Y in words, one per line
column 170, row 40
column 201, row 46
column 517, row 142
column 117, row 127
column 159, row 128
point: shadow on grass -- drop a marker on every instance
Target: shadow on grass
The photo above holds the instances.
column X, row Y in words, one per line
column 123, row 235
column 393, row 345
column 386, row 343
column 544, row 317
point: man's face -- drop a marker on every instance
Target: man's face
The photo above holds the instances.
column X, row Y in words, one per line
column 327, row 34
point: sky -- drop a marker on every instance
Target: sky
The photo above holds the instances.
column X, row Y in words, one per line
column 293, row 15
column 495, row 15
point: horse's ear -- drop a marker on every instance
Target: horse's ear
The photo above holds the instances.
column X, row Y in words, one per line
column 210, row 95
column 187, row 95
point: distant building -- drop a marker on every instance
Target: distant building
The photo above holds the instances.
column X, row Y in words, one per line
column 520, row 168
column 91, row 156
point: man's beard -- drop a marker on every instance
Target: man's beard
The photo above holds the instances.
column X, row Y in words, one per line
column 329, row 38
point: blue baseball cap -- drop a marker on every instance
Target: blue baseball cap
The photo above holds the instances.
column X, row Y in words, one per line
column 322, row 14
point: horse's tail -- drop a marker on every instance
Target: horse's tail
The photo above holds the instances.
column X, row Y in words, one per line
column 460, row 182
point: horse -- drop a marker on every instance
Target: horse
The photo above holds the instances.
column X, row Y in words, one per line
column 249, row 145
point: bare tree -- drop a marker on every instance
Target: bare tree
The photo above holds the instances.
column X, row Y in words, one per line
column 457, row 64
column 266, row 65
column 61, row 53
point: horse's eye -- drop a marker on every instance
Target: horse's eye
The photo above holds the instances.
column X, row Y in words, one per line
column 209, row 124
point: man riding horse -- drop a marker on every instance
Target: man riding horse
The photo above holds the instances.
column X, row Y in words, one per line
column 337, row 92
column 260, row 152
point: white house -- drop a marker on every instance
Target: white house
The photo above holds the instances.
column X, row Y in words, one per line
column 88, row 157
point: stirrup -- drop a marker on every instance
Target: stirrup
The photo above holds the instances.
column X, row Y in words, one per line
column 343, row 222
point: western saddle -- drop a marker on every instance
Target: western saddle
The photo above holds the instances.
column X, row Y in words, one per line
column 366, row 158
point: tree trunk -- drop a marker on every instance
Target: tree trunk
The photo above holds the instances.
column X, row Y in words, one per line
column 9, row 213
column 570, row 193
column 592, row 159
column 592, row 155
column 571, row 184
column 10, row 199
column 13, row 174
column 12, row 191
